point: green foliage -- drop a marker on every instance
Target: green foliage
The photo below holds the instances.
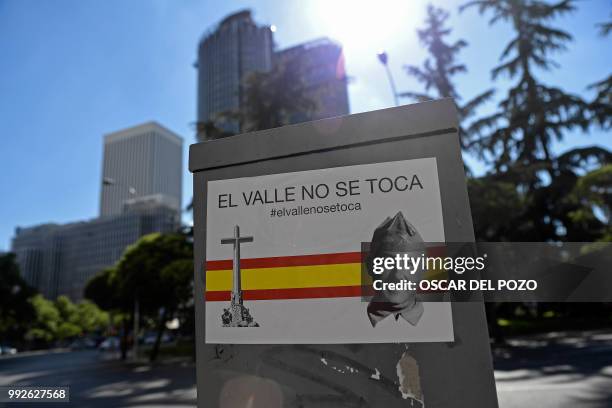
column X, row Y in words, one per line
column 438, row 69
column 46, row 323
column 517, row 138
column 90, row 318
column 62, row 319
column 272, row 98
column 102, row 289
column 440, row 66
column 15, row 309
column 177, row 276
column 156, row 271
column 209, row 130
column 532, row 115
column 139, row 270
column 601, row 106
column 67, row 330
column 66, row 308
column 593, row 193
column 488, row 199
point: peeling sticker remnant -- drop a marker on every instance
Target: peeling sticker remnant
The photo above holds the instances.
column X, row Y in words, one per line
column 409, row 379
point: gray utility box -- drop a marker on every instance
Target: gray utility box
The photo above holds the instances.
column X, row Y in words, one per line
column 279, row 321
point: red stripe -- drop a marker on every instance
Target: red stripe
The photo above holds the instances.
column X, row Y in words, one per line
column 298, row 293
column 301, row 260
column 292, row 293
column 280, row 261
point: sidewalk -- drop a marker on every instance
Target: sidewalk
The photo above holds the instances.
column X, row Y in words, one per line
column 558, row 369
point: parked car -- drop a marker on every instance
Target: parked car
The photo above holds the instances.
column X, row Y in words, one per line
column 110, row 343
column 82, row 344
column 150, row 339
column 8, row 350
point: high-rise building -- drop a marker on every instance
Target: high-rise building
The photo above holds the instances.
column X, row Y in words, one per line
column 141, row 194
column 320, row 65
column 226, row 55
column 60, row 259
column 35, row 248
column 141, row 161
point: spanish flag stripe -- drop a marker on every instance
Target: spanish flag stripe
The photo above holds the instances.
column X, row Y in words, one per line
column 295, row 277
column 287, row 277
column 282, row 261
column 291, row 293
column 301, row 260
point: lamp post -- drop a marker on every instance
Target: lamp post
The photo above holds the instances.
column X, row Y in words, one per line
column 108, row 181
column 384, row 58
column 136, row 325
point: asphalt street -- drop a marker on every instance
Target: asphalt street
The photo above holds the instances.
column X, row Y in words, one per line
column 558, row 370
column 99, row 380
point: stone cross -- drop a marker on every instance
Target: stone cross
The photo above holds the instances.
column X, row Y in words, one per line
column 236, row 240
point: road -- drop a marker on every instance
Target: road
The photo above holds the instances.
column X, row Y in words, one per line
column 556, row 370
column 560, row 370
column 97, row 381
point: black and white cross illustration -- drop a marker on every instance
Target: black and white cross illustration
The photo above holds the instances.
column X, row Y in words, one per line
column 237, row 315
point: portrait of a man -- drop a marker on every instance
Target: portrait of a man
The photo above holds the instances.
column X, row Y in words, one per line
column 395, row 236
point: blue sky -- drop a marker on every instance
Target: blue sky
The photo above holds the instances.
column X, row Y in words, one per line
column 73, row 70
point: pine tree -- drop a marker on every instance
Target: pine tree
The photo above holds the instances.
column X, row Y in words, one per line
column 601, row 106
column 517, row 139
column 533, row 114
column 438, row 69
column 271, row 98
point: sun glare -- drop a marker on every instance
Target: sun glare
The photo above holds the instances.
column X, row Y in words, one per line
column 365, row 26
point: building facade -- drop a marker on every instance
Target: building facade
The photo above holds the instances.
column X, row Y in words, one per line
column 320, row 65
column 141, row 194
column 138, row 162
column 60, row 259
column 226, row 55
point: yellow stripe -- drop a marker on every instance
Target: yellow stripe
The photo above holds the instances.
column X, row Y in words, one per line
column 288, row 277
column 313, row 276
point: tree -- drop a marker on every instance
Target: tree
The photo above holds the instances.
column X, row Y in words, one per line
column 580, row 195
column 517, row 139
column 43, row 329
column 272, row 98
column 15, row 309
column 177, row 277
column 438, row 69
column 90, row 318
column 490, row 197
column 140, row 275
column 157, row 271
column 67, row 327
column 102, row 289
column 78, row 319
column 209, row 130
column 601, row 106
column 533, row 114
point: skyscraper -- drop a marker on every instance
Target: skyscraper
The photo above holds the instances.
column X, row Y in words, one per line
column 141, row 161
column 320, row 65
column 226, row 55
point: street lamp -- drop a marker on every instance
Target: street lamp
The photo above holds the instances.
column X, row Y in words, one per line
column 108, row 181
column 384, row 58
